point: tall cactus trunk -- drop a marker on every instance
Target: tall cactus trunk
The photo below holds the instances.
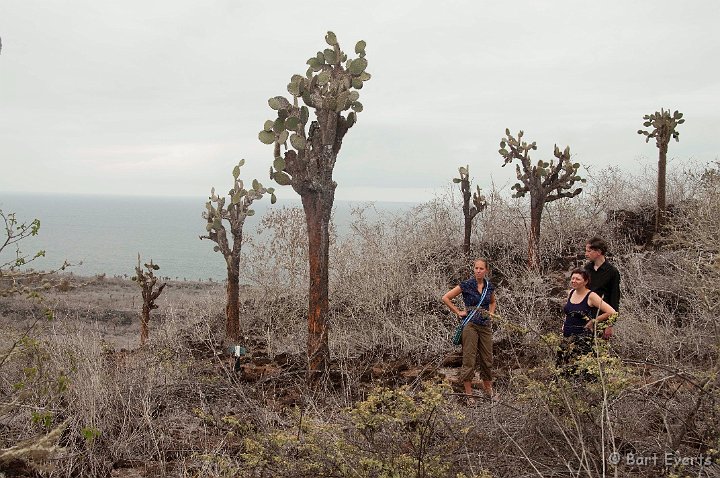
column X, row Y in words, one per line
column 536, row 210
column 465, row 187
column 144, row 320
column 232, row 308
column 468, row 231
column 661, row 186
column 318, row 206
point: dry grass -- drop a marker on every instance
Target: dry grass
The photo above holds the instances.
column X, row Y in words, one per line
column 177, row 408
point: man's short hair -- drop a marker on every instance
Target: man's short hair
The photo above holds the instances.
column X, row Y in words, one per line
column 598, row 244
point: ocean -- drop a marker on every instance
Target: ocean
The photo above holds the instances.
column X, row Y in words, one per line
column 106, row 233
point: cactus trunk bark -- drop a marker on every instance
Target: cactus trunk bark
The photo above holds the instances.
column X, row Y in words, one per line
column 468, row 231
column 465, row 188
column 536, row 209
column 147, row 281
column 144, row 319
column 232, row 308
column 318, row 206
column 662, row 171
column 465, row 185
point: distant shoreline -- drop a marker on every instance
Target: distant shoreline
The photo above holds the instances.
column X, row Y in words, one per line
column 292, row 201
column 105, row 234
column 98, row 278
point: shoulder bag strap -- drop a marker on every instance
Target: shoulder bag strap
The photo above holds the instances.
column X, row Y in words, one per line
column 469, row 317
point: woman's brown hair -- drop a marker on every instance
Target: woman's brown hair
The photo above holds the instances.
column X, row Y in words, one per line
column 582, row 272
column 485, row 261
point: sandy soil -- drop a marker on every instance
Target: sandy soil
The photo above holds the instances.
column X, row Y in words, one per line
column 108, row 307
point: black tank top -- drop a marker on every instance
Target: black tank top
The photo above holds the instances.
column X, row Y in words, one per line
column 576, row 316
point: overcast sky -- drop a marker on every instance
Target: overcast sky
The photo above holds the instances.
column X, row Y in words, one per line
column 164, row 97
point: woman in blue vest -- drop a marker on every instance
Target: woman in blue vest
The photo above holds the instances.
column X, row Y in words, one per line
column 479, row 298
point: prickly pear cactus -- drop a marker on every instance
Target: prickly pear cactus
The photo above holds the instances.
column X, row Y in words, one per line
column 549, row 180
column 545, row 181
column 663, row 124
column 237, row 210
column 216, row 214
column 470, row 210
column 479, row 202
column 304, row 155
column 330, row 87
column 664, row 127
column 147, row 281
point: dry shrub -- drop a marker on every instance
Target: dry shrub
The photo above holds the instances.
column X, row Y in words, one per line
column 278, row 254
column 386, row 276
column 670, row 295
column 64, row 285
column 119, row 408
column 389, row 271
column 175, row 408
column 667, row 338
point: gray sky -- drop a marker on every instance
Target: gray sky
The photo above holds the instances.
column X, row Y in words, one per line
column 164, row 97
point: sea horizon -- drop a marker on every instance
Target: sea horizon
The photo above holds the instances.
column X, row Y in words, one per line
column 104, row 235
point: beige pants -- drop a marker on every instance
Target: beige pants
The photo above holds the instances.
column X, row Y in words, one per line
column 476, row 351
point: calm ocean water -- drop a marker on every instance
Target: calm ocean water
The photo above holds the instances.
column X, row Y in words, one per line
column 107, row 232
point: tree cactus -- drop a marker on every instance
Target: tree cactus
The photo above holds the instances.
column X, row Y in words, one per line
column 469, row 210
column 545, row 181
column 663, row 124
column 304, row 157
column 147, row 281
column 235, row 214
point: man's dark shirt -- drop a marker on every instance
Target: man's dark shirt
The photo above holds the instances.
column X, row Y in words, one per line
column 605, row 282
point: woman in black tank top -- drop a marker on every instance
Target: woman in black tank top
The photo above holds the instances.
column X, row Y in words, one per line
column 580, row 301
column 579, row 325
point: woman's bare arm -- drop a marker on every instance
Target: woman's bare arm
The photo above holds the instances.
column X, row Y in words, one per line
column 448, row 300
